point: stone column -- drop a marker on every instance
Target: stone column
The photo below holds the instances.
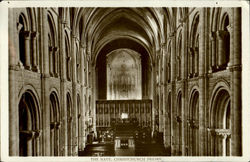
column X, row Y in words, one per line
column 34, row 51
column 74, row 99
column 27, row 49
column 184, row 74
column 173, row 98
column 63, row 149
column 230, row 33
column 191, row 64
column 13, row 39
column 45, row 87
column 196, row 61
column 164, row 89
column 13, row 98
column 202, row 98
column 55, row 53
column 236, row 112
column 51, row 60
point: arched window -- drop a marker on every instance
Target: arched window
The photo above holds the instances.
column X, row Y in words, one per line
column 193, row 60
column 21, row 40
column 223, row 37
column 53, row 53
column 68, row 57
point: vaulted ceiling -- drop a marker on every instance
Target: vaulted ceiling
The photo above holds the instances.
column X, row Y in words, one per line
column 121, row 27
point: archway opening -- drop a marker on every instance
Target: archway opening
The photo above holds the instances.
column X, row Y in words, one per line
column 28, row 125
column 221, row 124
column 137, row 49
column 193, row 125
column 54, row 125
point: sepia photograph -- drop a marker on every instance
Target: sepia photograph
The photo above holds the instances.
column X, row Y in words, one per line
column 125, row 82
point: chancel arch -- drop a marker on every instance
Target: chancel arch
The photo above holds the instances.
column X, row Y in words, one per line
column 124, row 69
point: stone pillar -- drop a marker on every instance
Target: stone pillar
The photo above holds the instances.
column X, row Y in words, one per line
column 202, row 98
column 191, row 64
column 27, row 49
column 196, row 61
column 13, row 39
column 74, row 99
column 55, row 53
column 13, row 98
column 164, row 89
column 34, row 51
column 51, row 60
column 230, row 33
column 45, row 87
column 173, row 72
column 236, row 112
column 184, row 75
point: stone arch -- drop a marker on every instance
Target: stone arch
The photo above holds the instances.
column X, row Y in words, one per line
column 223, row 35
column 194, row 49
column 29, row 124
column 23, row 36
column 193, row 124
column 220, row 122
column 54, row 124
column 52, row 46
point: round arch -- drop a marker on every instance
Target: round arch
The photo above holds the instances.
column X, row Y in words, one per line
column 29, row 124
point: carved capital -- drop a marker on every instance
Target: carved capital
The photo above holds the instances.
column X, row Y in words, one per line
column 50, row 48
column 230, row 28
column 55, row 49
column 222, row 133
column 212, row 36
column 235, row 68
column 26, row 34
column 221, row 34
column 19, row 26
column 28, row 134
column 191, row 50
column 34, row 34
column 37, row 133
column 178, row 118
